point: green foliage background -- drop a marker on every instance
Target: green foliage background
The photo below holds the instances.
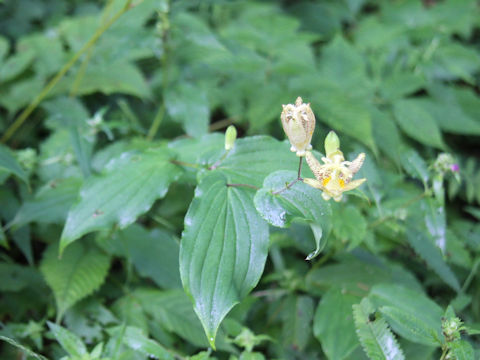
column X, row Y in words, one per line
column 112, row 156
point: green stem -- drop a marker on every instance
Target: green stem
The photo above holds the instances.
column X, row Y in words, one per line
column 61, row 73
column 157, row 121
column 299, row 178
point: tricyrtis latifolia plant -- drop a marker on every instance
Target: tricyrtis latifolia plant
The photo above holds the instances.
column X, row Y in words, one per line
column 335, row 175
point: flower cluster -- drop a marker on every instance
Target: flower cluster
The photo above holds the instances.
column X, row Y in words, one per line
column 335, row 175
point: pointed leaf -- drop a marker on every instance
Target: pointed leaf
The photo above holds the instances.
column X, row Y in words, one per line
column 298, row 202
column 462, row 350
column 127, row 190
column 10, row 165
column 70, row 342
column 223, row 249
column 22, row 348
column 376, row 338
column 137, row 340
column 429, row 252
column 417, row 123
column 80, row 271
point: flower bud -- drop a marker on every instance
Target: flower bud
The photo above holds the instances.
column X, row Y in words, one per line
column 332, row 144
column 298, row 122
column 230, row 137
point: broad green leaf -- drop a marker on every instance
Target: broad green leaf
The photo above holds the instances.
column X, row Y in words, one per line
column 462, row 350
column 223, row 249
column 376, row 338
column 401, row 84
column 297, row 321
column 298, row 202
column 50, row 204
column 9, row 165
column 126, row 190
column 333, row 317
column 137, row 340
column 188, row 105
column 410, row 304
column 15, row 65
column 432, row 254
column 255, row 157
column 80, row 271
column 22, row 348
column 70, row 342
column 344, row 111
column 204, row 150
column 417, row 123
column 154, row 254
column 386, row 134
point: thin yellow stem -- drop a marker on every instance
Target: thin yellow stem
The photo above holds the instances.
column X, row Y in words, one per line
column 61, row 73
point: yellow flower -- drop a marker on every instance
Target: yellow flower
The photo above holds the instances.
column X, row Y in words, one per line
column 334, row 177
column 298, row 122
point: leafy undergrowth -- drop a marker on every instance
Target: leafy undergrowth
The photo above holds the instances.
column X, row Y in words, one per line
column 130, row 228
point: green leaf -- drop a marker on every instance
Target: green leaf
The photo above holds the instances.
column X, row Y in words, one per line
column 4, row 47
column 255, row 157
column 414, row 165
column 188, row 105
column 413, row 315
column 10, row 165
column 16, row 277
column 223, row 249
column 349, row 225
column 429, row 252
column 15, row 65
column 50, row 204
column 22, row 348
column 417, row 123
column 70, row 342
column 462, row 350
column 154, row 254
column 297, row 321
column 298, row 202
column 80, row 271
column 376, row 338
column 333, row 317
column 3, row 238
column 137, row 340
column 128, row 189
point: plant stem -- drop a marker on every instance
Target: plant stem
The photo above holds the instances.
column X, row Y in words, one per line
column 243, row 185
column 299, row 178
column 61, row 73
column 182, row 163
column 164, row 63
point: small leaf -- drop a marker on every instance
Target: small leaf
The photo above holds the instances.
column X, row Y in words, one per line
column 15, row 65
column 70, row 342
column 10, row 165
column 50, row 204
column 223, row 249
column 137, row 340
column 333, row 317
column 414, row 165
column 298, row 202
column 80, row 271
column 417, row 123
column 376, row 338
column 128, row 189
column 462, row 350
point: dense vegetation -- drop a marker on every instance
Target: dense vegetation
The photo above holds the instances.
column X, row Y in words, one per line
column 132, row 227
